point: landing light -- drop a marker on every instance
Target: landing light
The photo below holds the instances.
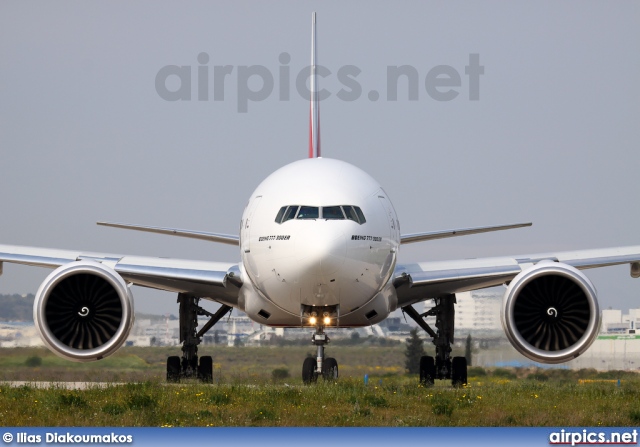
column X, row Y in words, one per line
column 326, row 320
column 312, row 320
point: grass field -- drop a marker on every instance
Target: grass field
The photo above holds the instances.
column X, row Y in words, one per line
column 231, row 365
column 247, row 395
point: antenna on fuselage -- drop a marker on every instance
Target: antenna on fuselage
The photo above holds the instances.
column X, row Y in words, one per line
column 314, row 111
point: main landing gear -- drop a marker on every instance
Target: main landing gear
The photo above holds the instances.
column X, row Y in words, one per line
column 443, row 366
column 187, row 366
column 327, row 367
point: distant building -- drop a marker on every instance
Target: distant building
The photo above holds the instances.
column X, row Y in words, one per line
column 19, row 334
column 614, row 322
column 479, row 311
column 395, row 324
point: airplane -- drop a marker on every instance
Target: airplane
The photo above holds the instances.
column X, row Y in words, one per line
column 319, row 246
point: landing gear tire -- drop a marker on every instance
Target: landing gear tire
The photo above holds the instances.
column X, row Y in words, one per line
column 189, row 367
column 309, row 373
column 173, row 369
column 205, row 369
column 445, row 368
column 330, row 369
column 459, row 372
column 427, row 370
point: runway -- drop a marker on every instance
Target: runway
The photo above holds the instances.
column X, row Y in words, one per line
column 60, row 385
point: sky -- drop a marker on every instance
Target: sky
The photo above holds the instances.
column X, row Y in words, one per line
column 98, row 122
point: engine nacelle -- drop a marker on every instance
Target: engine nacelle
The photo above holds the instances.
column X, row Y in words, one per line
column 83, row 311
column 550, row 312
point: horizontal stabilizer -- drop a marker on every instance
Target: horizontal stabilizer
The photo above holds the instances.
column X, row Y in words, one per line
column 212, row 237
column 419, row 237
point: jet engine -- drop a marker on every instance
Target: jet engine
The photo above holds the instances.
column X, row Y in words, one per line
column 83, row 311
column 550, row 312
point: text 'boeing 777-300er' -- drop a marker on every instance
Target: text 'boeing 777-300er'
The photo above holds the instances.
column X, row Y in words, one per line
column 321, row 255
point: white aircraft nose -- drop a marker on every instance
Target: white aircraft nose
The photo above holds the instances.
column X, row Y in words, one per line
column 321, row 250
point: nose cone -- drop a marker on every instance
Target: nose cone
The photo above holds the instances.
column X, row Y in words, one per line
column 321, row 250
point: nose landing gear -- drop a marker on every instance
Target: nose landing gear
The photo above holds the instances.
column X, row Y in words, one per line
column 327, row 367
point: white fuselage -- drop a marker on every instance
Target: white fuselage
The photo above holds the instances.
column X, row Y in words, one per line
column 318, row 234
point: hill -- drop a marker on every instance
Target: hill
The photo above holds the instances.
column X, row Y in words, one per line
column 16, row 307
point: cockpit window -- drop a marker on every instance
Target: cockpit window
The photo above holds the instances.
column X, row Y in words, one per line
column 281, row 214
column 308, row 212
column 337, row 212
column 354, row 213
column 291, row 213
column 350, row 213
column 332, row 212
column 359, row 214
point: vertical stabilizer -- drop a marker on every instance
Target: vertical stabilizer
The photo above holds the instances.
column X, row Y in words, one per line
column 314, row 112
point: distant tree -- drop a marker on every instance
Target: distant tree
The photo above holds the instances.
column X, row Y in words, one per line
column 216, row 337
column 238, row 342
column 355, row 337
column 16, row 307
column 414, row 350
column 467, row 350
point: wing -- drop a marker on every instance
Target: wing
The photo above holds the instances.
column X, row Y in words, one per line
column 420, row 281
column 419, row 237
column 205, row 236
column 218, row 281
